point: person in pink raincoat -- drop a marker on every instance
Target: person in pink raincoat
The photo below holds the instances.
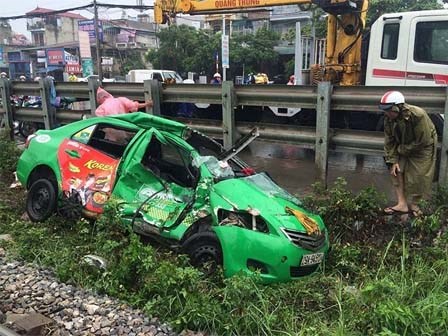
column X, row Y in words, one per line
column 108, row 105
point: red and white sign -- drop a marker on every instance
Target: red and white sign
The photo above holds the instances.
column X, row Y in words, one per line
column 75, row 68
column 55, row 56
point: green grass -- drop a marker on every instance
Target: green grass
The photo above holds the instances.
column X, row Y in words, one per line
column 381, row 278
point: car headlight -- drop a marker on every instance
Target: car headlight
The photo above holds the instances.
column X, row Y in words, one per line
column 250, row 219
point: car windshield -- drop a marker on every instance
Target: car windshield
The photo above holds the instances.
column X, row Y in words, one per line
column 219, row 169
column 265, row 183
column 174, row 75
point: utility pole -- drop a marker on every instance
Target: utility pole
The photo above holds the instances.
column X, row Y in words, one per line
column 97, row 37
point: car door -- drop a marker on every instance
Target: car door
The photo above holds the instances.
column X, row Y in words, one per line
column 88, row 163
column 153, row 198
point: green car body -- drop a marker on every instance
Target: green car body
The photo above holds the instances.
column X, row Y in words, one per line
column 172, row 183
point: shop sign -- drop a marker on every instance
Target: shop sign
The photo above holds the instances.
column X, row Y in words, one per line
column 55, row 56
column 87, row 67
column 70, row 59
column 75, row 68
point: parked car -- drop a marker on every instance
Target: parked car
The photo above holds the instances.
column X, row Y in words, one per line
column 177, row 184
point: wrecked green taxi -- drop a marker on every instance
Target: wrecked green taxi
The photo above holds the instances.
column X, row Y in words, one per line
column 177, row 185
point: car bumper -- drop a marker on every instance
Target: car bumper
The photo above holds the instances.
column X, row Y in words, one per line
column 275, row 257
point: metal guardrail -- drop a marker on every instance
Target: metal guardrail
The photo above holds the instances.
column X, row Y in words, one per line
column 323, row 98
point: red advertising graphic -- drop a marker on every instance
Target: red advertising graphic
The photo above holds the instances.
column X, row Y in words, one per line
column 55, row 56
column 86, row 173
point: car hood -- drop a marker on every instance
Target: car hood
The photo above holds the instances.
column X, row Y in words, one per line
column 260, row 193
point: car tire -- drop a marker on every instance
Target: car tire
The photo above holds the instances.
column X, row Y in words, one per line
column 41, row 200
column 204, row 251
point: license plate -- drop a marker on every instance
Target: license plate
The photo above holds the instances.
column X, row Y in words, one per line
column 312, row 259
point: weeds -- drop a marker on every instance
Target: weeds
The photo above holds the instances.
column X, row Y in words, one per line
column 9, row 155
column 375, row 282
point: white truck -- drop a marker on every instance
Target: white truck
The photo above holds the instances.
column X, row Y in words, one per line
column 138, row 76
column 409, row 49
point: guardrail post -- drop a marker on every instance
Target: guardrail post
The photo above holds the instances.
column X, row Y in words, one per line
column 443, row 170
column 94, row 83
column 5, row 87
column 228, row 114
column 48, row 109
column 153, row 91
column 322, row 130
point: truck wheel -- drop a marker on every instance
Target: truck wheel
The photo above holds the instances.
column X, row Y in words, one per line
column 41, row 200
column 204, row 251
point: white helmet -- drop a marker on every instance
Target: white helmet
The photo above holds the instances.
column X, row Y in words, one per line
column 217, row 75
column 3, row 74
column 390, row 99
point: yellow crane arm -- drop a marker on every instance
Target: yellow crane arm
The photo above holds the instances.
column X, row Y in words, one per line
column 164, row 9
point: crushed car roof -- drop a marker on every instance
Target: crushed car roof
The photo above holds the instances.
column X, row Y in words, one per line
column 147, row 121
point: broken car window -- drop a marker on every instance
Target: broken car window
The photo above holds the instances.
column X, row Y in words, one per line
column 219, row 169
column 265, row 183
column 106, row 138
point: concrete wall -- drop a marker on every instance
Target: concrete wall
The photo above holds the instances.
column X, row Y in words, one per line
column 65, row 31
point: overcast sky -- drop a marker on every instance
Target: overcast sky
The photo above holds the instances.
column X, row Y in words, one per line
column 19, row 7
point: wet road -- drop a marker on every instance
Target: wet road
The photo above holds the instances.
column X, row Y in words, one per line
column 293, row 168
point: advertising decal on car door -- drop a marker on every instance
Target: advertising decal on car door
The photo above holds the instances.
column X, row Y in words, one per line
column 87, row 173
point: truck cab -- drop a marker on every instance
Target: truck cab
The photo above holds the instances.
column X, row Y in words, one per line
column 409, row 49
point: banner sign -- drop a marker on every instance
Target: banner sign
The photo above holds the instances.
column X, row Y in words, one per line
column 75, row 68
column 55, row 56
column 89, row 27
column 70, row 59
column 84, row 44
column 225, row 51
column 87, row 67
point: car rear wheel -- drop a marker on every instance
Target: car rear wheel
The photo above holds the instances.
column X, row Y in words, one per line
column 204, row 251
column 41, row 200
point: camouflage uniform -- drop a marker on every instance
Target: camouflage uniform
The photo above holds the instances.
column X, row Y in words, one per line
column 411, row 141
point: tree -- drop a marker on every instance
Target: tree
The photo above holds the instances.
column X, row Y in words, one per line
column 254, row 51
column 183, row 48
column 132, row 61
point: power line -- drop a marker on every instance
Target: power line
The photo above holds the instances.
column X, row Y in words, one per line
column 29, row 16
column 60, row 11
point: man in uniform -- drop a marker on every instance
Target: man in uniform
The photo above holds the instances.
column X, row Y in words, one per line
column 410, row 147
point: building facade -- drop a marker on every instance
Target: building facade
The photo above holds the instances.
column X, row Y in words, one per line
column 49, row 28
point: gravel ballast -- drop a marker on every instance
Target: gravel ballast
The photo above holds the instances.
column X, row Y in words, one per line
column 28, row 289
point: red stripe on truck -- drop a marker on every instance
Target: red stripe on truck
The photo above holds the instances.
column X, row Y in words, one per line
column 437, row 78
column 389, row 73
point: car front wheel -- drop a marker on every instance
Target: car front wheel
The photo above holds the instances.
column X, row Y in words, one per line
column 41, row 200
column 204, row 251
